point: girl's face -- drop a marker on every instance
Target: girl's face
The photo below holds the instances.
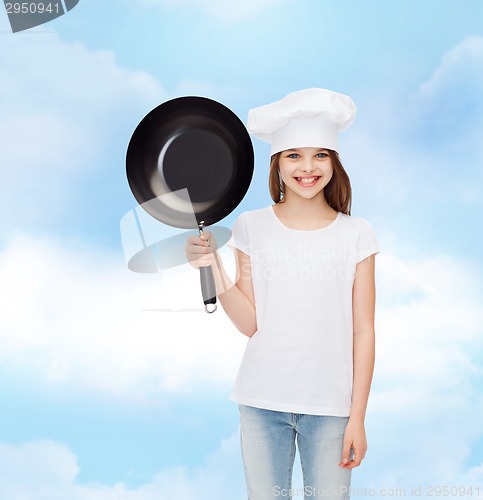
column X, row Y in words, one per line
column 305, row 171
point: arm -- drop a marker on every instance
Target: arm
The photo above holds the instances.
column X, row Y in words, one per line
column 236, row 298
column 363, row 305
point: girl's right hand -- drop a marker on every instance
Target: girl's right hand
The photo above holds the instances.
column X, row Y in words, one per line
column 200, row 250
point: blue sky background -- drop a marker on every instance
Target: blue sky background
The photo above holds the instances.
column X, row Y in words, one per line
column 104, row 396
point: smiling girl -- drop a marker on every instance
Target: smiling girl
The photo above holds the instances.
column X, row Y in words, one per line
column 304, row 294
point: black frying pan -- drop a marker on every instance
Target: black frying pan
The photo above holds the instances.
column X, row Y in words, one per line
column 194, row 144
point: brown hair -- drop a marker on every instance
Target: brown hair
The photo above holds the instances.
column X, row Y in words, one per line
column 338, row 192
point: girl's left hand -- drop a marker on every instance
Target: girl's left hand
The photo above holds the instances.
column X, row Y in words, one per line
column 354, row 437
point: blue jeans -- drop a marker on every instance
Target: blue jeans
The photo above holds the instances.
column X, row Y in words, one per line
column 268, row 451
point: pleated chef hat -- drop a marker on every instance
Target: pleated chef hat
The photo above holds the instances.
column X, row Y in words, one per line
column 306, row 118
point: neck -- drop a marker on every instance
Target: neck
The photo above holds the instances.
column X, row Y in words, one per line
column 315, row 206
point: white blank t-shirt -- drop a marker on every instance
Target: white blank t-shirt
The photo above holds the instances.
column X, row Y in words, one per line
column 300, row 358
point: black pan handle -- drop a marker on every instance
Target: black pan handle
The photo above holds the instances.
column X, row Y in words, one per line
column 208, row 288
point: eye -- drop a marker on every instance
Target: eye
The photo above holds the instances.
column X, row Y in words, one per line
column 293, row 156
column 321, row 155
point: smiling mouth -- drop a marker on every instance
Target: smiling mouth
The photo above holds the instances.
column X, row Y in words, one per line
column 307, row 181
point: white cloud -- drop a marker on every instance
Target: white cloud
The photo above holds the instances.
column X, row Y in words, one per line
column 62, row 107
column 422, row 152
column 425, row 407
column 48, row 470
column 474, row 476
column 449, row 105
column 428, row 326
column 74, row 315
column 71, row 78
column 41, row 469
column 460, row 66
column 219, row 9
column 396, row 153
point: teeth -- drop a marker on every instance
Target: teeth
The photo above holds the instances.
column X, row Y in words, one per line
column 306, row 180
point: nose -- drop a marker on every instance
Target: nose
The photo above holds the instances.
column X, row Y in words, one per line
column 308, row 165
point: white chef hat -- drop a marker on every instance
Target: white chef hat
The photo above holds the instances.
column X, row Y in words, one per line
column 306, row 118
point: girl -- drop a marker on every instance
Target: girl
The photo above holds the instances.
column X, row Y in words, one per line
column 304, row 294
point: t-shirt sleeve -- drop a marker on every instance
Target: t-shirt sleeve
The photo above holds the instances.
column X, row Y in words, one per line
column 366, row 241
column 239, row 234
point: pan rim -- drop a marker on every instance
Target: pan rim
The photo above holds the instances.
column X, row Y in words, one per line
column 224, row 123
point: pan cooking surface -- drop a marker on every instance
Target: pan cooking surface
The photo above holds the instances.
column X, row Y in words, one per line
column 193, row 156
